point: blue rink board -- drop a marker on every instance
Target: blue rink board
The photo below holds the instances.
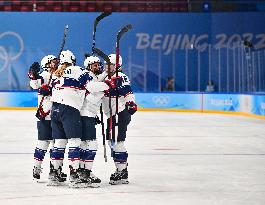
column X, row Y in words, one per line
column 246, row 103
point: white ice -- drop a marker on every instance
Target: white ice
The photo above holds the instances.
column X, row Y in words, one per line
column 174, row 159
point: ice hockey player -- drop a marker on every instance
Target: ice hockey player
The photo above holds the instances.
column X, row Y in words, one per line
column 69, row 85
column 126, row 108
column 89, row 119
column 38, row 80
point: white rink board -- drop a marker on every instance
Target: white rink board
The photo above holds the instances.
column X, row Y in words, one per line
column 174, row 158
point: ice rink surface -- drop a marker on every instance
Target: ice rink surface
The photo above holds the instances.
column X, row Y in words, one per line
column 174, row 159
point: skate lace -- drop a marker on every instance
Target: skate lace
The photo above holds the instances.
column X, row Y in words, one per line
column 117, row 174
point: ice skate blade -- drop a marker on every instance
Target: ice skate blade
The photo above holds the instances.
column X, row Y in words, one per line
column 122, row 181
column 94, row 185
column 64, row 179
column 36, row 180
column 77, row 185
column 61, row 180
column 55, row 183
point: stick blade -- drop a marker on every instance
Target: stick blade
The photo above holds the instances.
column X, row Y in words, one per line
column 99, row 18
column 87, row 55
column 123, row 31
column 101, row 54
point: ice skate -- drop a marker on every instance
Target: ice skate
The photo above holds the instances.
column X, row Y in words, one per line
column 95, row 181
column 36, row 173
column 62, row 174
column 55, row 178
column 119, row 177
column 92, row 180
column 75, row 181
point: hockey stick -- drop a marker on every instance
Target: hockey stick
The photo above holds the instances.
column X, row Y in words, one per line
column 106, row 58
column 40, row 108
column 97, row 20
column 103, row 133
column 119, row 35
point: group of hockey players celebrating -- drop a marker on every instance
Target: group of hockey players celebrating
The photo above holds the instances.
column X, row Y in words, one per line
column 69, row 99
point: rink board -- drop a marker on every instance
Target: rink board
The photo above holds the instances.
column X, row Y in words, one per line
column 248, row 104
column 18, row 99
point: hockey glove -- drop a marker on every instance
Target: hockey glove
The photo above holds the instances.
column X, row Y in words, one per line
column 106, row 93
column 118, row 81
column 45, row 90
column 34, row 71
column 97, row 120
column 41, row 114
column 111, row 83
column 131, row 107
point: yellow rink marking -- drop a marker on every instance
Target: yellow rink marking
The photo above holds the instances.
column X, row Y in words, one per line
column 164, row 110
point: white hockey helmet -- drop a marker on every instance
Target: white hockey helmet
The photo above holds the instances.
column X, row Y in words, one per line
column 90, row 60
column 67, row 57
column 46, row 60
column 112, row 58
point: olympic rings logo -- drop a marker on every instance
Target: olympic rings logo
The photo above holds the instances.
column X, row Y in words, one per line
column 161, row 100
column 6, row 56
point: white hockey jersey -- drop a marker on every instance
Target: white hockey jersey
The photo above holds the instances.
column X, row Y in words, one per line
column 93, row 99
column 36, row 84
column 124, row 93
column 70, row 89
